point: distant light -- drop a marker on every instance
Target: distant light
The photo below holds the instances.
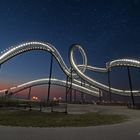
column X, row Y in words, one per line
column 34, row 98
column 54, row 99
column 60, row 98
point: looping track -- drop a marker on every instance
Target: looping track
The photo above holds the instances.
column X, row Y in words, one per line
column 91, row 87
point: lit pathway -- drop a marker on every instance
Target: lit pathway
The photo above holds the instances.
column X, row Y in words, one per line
column 125, row 131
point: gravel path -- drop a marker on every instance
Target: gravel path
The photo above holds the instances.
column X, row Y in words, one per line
column 124, row 131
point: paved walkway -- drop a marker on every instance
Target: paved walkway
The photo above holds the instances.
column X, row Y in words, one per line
column 125, row 131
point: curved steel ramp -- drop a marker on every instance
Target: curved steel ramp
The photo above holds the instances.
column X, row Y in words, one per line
column 95, row 85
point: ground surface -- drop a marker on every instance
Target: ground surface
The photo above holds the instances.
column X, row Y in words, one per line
column 35, row 118
column 128, row 130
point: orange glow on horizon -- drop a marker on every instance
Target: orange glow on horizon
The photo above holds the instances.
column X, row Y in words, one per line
column 39, row 91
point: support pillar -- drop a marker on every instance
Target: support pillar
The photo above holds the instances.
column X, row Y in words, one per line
column 68, row 90
column 66, row 96
column 29, row 97
column 71, row 87
column 50, row 76
column 82, row 94
column 130, row 85
column 100, row 97
column 109, row 85
column 29, row 94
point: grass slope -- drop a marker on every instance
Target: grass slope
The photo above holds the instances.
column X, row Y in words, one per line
column 40, row 119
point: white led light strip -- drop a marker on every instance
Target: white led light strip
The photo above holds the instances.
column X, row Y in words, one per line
column 120, row 62
column 95, row 86
column 53, row 82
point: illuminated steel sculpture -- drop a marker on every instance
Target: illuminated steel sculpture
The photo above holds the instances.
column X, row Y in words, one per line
column 91, row 86
column 109, row 65
column 53, row 82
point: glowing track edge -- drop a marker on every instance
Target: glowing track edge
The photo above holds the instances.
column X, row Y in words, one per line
column 91, row 87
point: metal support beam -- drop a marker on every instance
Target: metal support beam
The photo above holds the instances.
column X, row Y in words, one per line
column 109, row 85
column 66, row 97
column 100, row 97
column 40, row 106
column 68, row 90
column 50, row 76
column 29, row 94
column 71, row 86
column 130, row 84
column 82, row 94
column 29, row 97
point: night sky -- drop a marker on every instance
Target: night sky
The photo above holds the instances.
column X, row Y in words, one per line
column 107, row 30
